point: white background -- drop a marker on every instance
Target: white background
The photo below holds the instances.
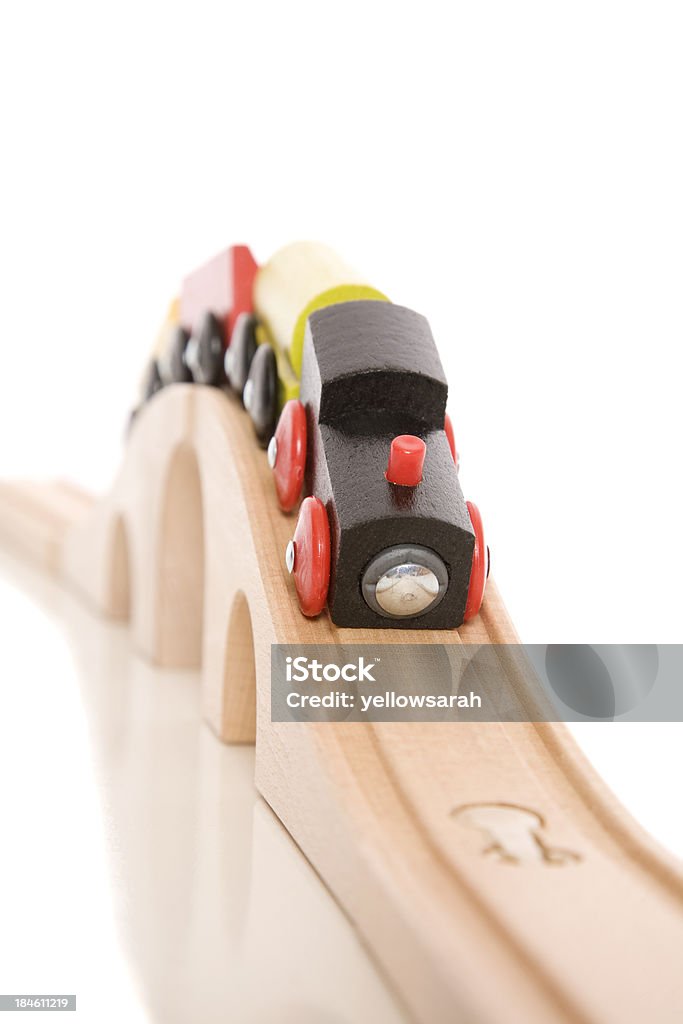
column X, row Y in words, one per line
column 511, row 170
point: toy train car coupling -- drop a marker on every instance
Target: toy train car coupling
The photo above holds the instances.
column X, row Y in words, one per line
column 384, row 537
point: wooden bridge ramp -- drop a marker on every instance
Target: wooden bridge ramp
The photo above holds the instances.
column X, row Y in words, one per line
column 489, row 871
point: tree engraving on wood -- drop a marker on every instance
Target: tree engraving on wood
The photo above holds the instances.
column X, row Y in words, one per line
column 513, row 834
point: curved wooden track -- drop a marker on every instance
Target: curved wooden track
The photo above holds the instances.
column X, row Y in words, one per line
column 489, row 870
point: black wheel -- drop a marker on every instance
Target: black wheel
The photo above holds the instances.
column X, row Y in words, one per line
column 260, row 393
column 153, row 381
column 240, row 352
column 205, row 353
column 132, row 416
column 175, row 369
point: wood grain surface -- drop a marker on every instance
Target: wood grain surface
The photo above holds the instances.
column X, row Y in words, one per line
column 490, row 872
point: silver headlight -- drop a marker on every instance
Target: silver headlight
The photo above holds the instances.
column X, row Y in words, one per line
column 404, row 581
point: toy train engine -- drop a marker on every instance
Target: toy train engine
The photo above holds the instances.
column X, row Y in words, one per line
column 386, row 537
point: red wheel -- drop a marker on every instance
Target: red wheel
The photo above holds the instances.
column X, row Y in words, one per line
column 308, row 556
column 287, row 454
column 448, row 427
column 480, row 557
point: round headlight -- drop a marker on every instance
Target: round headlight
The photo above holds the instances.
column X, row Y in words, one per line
column 404, row 581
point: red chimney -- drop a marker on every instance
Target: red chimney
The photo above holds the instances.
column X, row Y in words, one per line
column 406, row 460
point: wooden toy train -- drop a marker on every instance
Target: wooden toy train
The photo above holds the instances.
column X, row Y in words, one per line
column 461, row 851
column 384, row 536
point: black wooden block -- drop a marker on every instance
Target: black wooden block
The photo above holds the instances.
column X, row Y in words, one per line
column 375, row 367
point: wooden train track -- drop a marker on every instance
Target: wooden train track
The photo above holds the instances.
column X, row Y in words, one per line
column 490, row 872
